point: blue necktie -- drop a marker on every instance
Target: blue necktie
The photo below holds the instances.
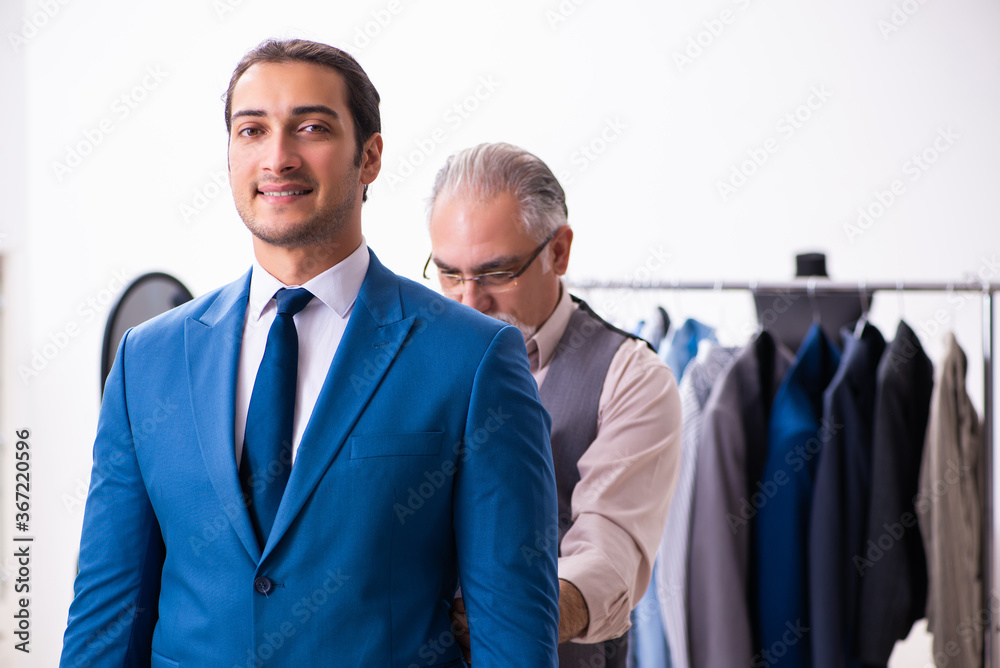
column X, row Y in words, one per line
column 267, row 443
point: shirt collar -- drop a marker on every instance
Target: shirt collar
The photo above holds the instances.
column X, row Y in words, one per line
column 337, row 287
column 548, row 335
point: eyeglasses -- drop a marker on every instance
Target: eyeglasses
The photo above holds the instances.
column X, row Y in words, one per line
column 490, row 281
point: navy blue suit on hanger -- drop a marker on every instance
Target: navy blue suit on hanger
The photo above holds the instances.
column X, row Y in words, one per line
column 894, row 586
column 840, row 502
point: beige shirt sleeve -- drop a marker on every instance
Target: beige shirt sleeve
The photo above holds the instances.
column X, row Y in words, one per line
column 627, row 479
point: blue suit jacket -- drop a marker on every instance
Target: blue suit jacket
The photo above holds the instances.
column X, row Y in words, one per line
column 795, row 443
column 426, row 459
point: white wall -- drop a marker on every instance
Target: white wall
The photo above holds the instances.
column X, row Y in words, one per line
column 641, row 140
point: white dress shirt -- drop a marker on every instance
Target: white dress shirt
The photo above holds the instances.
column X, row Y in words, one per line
column 320, row 326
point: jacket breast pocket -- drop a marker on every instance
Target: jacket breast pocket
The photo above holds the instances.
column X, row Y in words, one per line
column 414, row 444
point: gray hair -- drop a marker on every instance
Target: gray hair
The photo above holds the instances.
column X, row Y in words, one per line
column 489, row 170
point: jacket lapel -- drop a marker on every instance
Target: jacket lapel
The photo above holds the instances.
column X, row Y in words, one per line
column 374, row 336
column 212, row 347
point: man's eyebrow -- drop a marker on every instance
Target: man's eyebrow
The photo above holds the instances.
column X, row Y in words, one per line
column 297, row 111
column 502, row 263
column 256, row 113
column 315, row 109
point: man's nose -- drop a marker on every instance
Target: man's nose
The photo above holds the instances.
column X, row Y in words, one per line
column 282, row 155
column 473, row 295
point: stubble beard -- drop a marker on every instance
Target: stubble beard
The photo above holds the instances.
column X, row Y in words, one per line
column 324, row 225
column 526, row 331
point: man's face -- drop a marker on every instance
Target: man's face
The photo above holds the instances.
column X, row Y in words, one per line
column 292, row 155
column 470, row 238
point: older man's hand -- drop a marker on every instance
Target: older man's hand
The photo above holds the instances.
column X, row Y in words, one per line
column 460, row 627
column 573, row 618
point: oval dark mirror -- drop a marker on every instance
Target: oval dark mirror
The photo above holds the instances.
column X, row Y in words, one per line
column 147, row 296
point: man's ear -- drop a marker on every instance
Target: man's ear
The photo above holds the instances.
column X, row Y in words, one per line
column 560, row 244
column 371, row 158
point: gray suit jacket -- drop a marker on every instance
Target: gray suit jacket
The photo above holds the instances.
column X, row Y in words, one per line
column 949, row 513
column 730, row 462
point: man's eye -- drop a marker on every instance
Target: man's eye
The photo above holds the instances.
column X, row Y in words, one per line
column 450, row 278
column 494, row 280
column 249, row 132
column 314, row 128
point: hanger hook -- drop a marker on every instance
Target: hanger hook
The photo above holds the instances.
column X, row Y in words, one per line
column 859, row 328
column 811, row 291
column 753, row 293
column 717, row 289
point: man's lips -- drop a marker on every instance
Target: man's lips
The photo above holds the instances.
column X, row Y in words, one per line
column 283, row 192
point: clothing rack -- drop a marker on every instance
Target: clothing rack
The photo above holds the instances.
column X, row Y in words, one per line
column 822, row 285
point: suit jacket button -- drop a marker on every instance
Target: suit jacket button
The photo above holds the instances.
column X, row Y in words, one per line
column 263, row 585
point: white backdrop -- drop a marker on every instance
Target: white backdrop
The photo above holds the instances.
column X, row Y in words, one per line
column 696, row 140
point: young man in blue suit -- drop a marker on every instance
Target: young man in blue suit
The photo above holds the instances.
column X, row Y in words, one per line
column 341, row 446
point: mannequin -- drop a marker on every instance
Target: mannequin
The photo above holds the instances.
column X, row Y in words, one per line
column 788, row 313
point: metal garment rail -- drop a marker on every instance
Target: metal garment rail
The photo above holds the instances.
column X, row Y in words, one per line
column 819, row 286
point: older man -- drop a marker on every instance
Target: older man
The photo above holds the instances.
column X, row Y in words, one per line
column 500, row 239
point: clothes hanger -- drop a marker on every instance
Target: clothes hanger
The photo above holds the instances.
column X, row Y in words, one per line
column 720, row 320
column 760, row 320
column 950, row 298
column 899, row 299
column 811, row 291
column 675, row 314
column 863, row 320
